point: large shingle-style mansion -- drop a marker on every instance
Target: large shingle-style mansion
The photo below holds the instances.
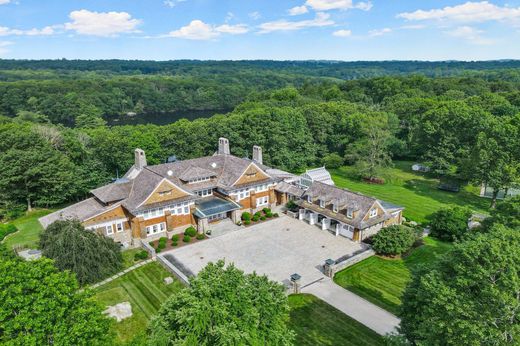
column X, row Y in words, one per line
column 150, row 201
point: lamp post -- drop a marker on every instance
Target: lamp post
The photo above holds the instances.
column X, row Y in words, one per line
column 295, row 279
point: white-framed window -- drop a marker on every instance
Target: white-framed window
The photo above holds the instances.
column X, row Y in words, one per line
column 198, row 180
column 350, row 213
column 309, row 199
column 154, row 229
column 322, row 203
column 261, row 201
column 109, row 229
column 180, row 209
column 261, row 188
column 205, row 192
column 151, row 213
column 335, row 207
column 373, row 212
column 242, row 194
column 119, row 227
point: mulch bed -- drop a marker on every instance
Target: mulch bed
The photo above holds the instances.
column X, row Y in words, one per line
column 180, row 243
column 259, row 221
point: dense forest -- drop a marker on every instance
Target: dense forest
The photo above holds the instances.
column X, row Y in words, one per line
column 462, row 119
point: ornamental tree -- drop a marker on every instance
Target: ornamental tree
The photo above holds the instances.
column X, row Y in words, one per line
column 40, row 305
column 507, row 213
column 470, row 296
column 450, row 224
column 394, row 240
column 224, row 306
column 92, row 257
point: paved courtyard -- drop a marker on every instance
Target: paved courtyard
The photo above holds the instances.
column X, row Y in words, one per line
column 277, row 248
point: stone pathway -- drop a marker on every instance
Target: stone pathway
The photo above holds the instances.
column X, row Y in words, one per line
column 115, row 276
column 372, row 316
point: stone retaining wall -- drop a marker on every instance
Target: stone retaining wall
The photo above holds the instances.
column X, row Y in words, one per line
column 173, row 269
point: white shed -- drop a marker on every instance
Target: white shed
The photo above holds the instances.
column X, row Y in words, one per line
column 420, row 168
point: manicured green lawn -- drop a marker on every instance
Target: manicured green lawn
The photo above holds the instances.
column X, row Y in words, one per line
column 318, row 323
column 417, row 192
column 128, row 257
column 145, row 290
column 28, row 230
column 382, row 281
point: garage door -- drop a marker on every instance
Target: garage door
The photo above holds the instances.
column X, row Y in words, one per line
column 346, row 231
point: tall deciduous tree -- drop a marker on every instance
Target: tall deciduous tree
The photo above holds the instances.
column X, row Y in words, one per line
column 470, row 296
column 90, row 256
column 40, row 305
column 224, row 306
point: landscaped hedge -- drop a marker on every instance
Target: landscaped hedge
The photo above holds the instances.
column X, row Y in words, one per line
column 141, row 255
column 200, row 236
column 6, row 229
column 190, row 231
column 394, row 240
column 175, row 238
column 186, row 238
column 246, row 216
column 161, row 244
column 450, row 223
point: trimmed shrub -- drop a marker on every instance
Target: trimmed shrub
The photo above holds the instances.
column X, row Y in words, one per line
column 174, row 243
column 246, row 216
column 256, row 218
column 190, row 231
column 258, row 214
column 175, row 238
column 266, row 210
column 269, row 214
column 161, row 244
column 186, row 238
column 276, row 215
column 450, row 224
column 6, row 229
column 141, row 255
column 262, row 218
column 292, row 206
column 394, row 240
column 200, row 236
column 247, row 222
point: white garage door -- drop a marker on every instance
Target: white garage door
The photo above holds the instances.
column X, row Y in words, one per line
column 347, row 231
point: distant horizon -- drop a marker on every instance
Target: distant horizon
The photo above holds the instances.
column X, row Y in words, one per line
column 291, row 30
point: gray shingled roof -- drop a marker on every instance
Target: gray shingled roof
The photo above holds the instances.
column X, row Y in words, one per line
column 195, row 172
column 289, row 188
column 345, row 200
column 81, row 211
column 113, row 192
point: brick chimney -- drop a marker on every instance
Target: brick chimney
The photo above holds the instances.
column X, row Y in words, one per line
column 257, row 154
column 223, row 146
column 140, row 159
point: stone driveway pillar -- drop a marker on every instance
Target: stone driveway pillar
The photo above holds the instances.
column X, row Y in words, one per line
column 324, row 224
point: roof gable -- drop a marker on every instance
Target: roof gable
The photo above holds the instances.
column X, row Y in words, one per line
column 165, row 191
column 251, row 174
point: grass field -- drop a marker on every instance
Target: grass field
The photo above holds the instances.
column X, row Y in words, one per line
column 145, row 290
column 417, row 192
column 382, row 281
column 28, row 230
column 318, row 323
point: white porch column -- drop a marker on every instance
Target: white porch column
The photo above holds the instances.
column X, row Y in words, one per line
column 301, row 214
column 324, row 224
column 338, row 225
column 312, row 218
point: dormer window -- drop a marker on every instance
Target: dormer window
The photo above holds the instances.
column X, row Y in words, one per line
column 322, row 203
column 335, row 207
column 373, row 212
column 350, row 213
column 198, row 180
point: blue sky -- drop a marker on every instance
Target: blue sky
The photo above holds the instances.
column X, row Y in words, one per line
column 260, row 29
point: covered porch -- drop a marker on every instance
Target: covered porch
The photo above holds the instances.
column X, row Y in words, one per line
column 327, row 223
column 214, row 209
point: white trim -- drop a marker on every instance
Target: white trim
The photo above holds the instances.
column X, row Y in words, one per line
column 262, row 201
column 103, row 224
column 161, row 227
column 117, row 227
column 245, row 170
column 159, row 184
column 111, row 228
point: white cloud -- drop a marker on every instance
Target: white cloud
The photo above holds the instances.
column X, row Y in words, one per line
column 379, row 32
column 232, row 29
column 325, row 5
column 4, row 2
column 468, row 12
column 172, row 3
column 255, row 15
column 48, row 30
column 3, row 47
column 321, row 19
column 297, row 10
column 342, row 33
column 106, row 24
column 470, row 34
column 198, row 30
column 413, row 27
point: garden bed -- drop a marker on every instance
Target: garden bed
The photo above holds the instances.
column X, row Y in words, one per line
column 190, row 236
column 258, row 217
